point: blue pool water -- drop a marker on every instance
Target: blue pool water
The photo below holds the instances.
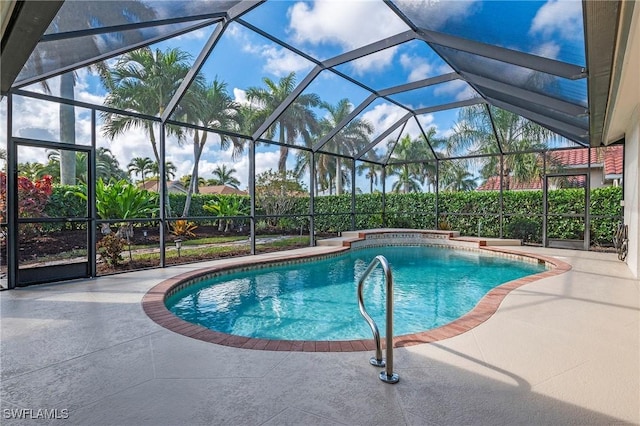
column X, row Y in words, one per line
column 317, row 300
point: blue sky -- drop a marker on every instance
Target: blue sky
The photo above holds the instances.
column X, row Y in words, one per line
column 325, row 29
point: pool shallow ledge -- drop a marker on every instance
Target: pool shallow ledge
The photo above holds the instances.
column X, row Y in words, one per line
column 153, row 302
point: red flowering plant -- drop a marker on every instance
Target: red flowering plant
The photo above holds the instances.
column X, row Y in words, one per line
column 32, row 198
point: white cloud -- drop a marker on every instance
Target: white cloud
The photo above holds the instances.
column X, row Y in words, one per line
column 459, row 89
column 199, row 34
column 332, row 22
column 426, row 121
column 90, row 98
column 563, row 17
column 547, row 50
column 265, row 160
column 31, row 113
column 375, row 62
column 444, row 69
column 278, row 61
column 126, row 147
column 240, row 96
column 412, row 129
column 382, row 117
column 419, row 68
column 436, row 14
column 282, row 62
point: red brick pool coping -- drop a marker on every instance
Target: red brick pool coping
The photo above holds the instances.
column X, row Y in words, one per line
column 154, row 306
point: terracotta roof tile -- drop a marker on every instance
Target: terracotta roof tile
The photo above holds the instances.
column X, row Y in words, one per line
column 613, row 160
column 493, row 184
column 611, row 157
column 576, row 157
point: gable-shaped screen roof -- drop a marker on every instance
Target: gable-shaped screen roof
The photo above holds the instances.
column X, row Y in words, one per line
column 411, row 60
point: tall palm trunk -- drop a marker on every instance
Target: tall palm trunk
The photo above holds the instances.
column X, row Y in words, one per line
column 282, row 162
column 67, row 131
column 154, row 145
column 161, row 179
column 198, row 147
column 338, row 176
column 284, row 151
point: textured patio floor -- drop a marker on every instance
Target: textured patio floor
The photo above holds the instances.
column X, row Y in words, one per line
column 561, row 350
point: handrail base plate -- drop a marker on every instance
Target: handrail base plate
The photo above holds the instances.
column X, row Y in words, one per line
column 377, row 362
column 393, row 378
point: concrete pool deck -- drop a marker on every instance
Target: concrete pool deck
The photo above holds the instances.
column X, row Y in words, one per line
column 561, row 350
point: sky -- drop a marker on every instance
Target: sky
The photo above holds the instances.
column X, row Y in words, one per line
column 322, row 30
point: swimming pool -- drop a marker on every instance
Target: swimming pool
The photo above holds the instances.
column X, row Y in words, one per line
column 316, row 300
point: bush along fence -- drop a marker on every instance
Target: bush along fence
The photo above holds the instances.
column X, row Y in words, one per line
column 471, row 213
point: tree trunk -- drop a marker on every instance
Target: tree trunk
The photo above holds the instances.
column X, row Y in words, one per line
column 284, row 152
column 338, row 176
column 152, row 138
column 161, row 179
column 196, row 170
column 282, row 162
column 67, row 131
column 193, row 185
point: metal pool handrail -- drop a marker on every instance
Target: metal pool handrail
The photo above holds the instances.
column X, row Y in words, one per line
column 387, row 375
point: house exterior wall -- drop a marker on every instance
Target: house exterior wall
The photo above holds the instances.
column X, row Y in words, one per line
column 632, row 190
column 597, row 179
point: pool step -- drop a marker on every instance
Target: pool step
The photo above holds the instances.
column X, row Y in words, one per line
column 481, row 241
column 446, row 238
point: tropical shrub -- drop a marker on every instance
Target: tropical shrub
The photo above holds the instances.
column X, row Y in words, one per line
column 110, row 248
column 471, row 212
column 183, row 228
column 231, row 205
column 525, row 229
column 33, row 197
column 119, row 199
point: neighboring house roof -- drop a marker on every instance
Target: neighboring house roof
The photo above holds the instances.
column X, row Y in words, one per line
column 614, row 160
column 493, row 184
column 220, row 189
column 610, row 159
column 172, row 186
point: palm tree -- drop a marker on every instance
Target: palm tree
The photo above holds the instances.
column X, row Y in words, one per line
column 351, row 139
column 140, row 166
column 143, row 81
column 297, row 120
column 121, row 12
column 324, row 167
column 32, row 171
column 406, row 182
column 224, row 176
column 410, row 175
column 456, row 177
column 428, row 169
column 371, row 174
column 211, row 107
column 170, row 170
column 107, row 166
column 474, row 133
column 187, row 179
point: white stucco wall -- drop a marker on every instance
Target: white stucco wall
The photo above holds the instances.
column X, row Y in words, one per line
column 632, row 190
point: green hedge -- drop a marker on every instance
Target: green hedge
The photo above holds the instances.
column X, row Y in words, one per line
column 471, row 213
